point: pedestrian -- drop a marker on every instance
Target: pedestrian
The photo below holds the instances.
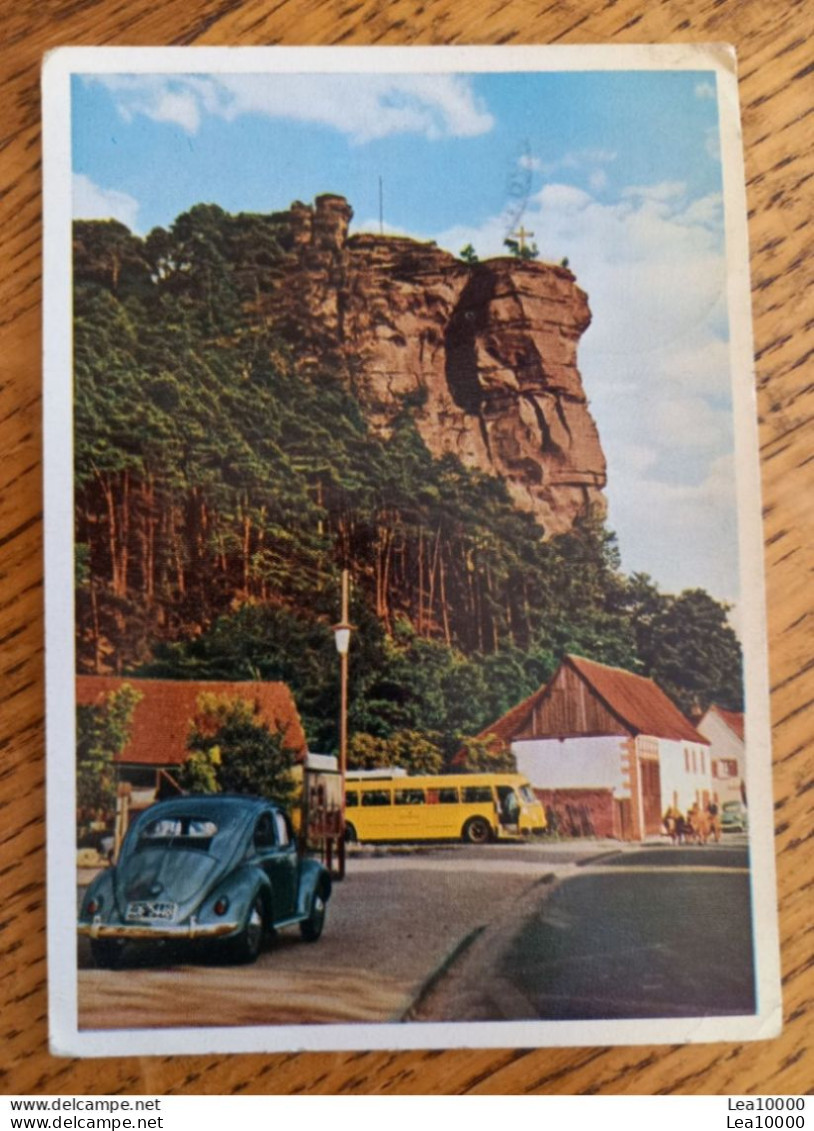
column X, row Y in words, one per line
column 698, row 822
column 672, row 816
column 714, row 821
column 683, row 829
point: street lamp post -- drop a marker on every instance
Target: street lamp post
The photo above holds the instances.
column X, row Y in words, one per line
column 342, row 633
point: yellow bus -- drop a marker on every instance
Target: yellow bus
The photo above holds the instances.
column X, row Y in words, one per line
column 386, row 805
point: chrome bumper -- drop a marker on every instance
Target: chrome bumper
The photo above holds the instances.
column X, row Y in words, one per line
column 156, row 931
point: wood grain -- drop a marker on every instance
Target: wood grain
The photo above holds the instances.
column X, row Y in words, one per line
column 776, row 70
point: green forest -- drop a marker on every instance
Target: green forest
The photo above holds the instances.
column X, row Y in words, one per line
column 219, row 492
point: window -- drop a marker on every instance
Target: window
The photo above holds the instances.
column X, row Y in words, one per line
column 473, row 794
column 409, row 797
column 282, row 830
column 376, row 797
column 726, row 768
column 448, row 796
column 264, row 831
column 351, row 799
column 703, row 761
column 178, row 832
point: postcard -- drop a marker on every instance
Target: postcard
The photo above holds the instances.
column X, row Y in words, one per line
column 406, row 662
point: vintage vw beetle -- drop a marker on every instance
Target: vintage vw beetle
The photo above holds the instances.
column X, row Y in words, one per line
column 214, row 867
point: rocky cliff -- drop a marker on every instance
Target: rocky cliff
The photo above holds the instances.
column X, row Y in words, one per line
column 484, row 355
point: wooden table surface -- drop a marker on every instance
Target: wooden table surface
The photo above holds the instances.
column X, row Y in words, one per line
column 776, row 84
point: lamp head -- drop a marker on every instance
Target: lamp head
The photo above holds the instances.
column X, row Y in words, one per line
column 342, row 638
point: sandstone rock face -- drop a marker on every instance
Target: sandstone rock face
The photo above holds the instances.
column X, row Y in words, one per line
column 484, row 355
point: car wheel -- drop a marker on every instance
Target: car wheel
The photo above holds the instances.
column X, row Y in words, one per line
column 246, row 947
column 350, row 834
column 311, row 928
column 107, row 954
column 477, row 831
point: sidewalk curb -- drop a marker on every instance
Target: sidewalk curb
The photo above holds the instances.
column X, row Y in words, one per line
column 429, row 984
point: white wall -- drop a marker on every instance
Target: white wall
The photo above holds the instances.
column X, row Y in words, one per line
column 689, row 785
column 724, row 744
column 574, row 763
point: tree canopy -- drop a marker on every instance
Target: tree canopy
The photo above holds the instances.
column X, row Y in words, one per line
column 102, row 732
column 233, row 751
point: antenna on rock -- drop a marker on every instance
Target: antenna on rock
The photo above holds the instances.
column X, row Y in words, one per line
column 381, row 208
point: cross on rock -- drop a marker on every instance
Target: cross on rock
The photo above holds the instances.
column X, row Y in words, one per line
column 522, row 235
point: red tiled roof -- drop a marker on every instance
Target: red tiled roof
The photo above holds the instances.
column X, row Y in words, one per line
column 161, row 720
column 513, row 722
column 637, row 701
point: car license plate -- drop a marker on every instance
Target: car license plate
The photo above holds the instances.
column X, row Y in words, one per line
column 149, row 909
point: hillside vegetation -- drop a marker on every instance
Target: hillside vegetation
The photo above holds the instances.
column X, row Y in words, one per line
column 219, row 492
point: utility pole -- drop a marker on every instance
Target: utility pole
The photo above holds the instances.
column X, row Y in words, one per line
column 381, row 207
column 342, row 633
column 343, row 717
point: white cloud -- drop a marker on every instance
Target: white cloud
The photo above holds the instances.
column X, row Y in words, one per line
column 705, row 90
column 598, row 180
column 682, row 534
column 526, row 161
column 364, row 109
column 691, row 421
column 638, row 458
column 664, row 190
column 579, row 159
column 712, row 144
column 707, row 211
column 91, row 202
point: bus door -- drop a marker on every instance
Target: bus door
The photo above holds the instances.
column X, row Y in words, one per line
column 508, row 809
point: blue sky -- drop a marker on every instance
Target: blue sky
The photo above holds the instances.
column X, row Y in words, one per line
column 619, row 171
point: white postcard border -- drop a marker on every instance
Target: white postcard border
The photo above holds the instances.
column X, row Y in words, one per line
column 66, row 1038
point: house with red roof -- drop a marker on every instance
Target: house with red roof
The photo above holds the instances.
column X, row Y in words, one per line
column 164, row 716
column 606, row 750
column 724, row 730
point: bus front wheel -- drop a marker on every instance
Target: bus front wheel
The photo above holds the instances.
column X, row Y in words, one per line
column 350, row 834
column 477, row 831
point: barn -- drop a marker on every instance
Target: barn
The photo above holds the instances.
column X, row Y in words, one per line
column 606, row 751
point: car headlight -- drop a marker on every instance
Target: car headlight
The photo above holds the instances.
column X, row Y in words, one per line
column 93, row 905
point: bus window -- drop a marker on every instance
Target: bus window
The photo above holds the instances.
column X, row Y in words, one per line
column 409, row 797
column 476, row 793
column 447, row 796
column 351, row 799
column 376, row 797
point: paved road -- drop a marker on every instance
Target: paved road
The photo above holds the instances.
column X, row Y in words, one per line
column 650, row 933
column 391, row 923
column 411, row 934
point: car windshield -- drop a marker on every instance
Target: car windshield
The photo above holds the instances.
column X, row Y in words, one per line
column 732, row 806
column 178, row 832
column 527, row 793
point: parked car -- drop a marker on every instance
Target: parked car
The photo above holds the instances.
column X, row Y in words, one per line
column 734, row 818
column 217, row 867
